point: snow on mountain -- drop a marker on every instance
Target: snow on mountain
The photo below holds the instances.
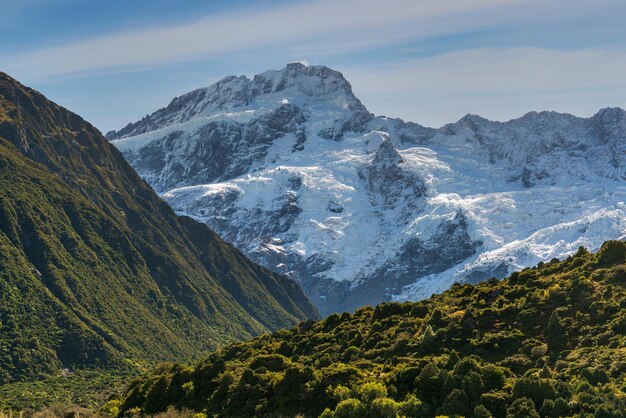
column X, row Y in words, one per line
column 318, row 89
column 291, row 168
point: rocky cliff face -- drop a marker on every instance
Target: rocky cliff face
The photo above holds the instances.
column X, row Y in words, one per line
column 291, row 168
column 547, row 147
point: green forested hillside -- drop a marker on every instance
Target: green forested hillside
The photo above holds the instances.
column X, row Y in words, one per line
column 97, row 271
column 548, row 341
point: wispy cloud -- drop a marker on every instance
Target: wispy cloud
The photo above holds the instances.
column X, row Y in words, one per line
column 317, row 27
column 481, row 60
column 497, row 83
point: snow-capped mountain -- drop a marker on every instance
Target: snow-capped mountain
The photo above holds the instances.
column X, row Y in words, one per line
column 291, row 168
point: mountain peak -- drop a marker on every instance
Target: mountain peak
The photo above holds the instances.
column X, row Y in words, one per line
column 471, row 120
column 609, row 126
column 302, row 85
column 5, row 76
column 414, row 179
column 387, row 154
column 610, row 114
column 295, row 66
column 312, row 80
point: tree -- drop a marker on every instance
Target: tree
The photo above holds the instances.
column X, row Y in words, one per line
column 372, row 390
column 604, row 411
column 429, row 384
column 457, row 403
column 351, row 353
column 522, row 408
column 413, row 407
column 495, row 402
column 555, row 332
column 293, row 384
column 481, row 412
column 383, row 408
column 545, row 372
column 349, row 408
column 427, row 339
column 536, row 389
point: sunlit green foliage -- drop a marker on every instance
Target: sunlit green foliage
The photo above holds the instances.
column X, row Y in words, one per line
column 96, row 271
column 548, row 341
column 89, row 389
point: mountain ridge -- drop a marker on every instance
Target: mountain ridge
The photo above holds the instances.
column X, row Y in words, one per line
column 289, row 179
column 232, row 92
column 96, row 270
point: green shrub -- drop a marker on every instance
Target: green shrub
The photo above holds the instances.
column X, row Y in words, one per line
column 522, row 408
column 545, row 341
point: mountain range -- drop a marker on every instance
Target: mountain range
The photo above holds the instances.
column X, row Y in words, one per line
column 100, row 278
column 96, row 271
column 291, row 168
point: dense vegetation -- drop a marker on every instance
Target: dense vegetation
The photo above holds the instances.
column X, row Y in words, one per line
column 548, row 341
column 84, row 388
column 96, row 271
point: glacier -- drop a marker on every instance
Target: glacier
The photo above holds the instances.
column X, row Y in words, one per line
column 290, row 167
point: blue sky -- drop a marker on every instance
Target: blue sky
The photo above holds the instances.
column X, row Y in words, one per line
column 428, row 61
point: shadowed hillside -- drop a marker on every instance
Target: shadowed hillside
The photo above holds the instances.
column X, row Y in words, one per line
column 96, row 270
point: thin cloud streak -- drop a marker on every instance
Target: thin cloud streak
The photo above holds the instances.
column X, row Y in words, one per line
column 497, row 83
column 325, row 24
column 356, row 36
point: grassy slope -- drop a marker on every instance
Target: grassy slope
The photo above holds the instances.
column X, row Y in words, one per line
column 97, row 271
column 85, row 388
column 549, row 339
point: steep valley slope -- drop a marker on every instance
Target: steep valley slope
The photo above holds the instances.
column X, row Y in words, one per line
column 96, row 271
